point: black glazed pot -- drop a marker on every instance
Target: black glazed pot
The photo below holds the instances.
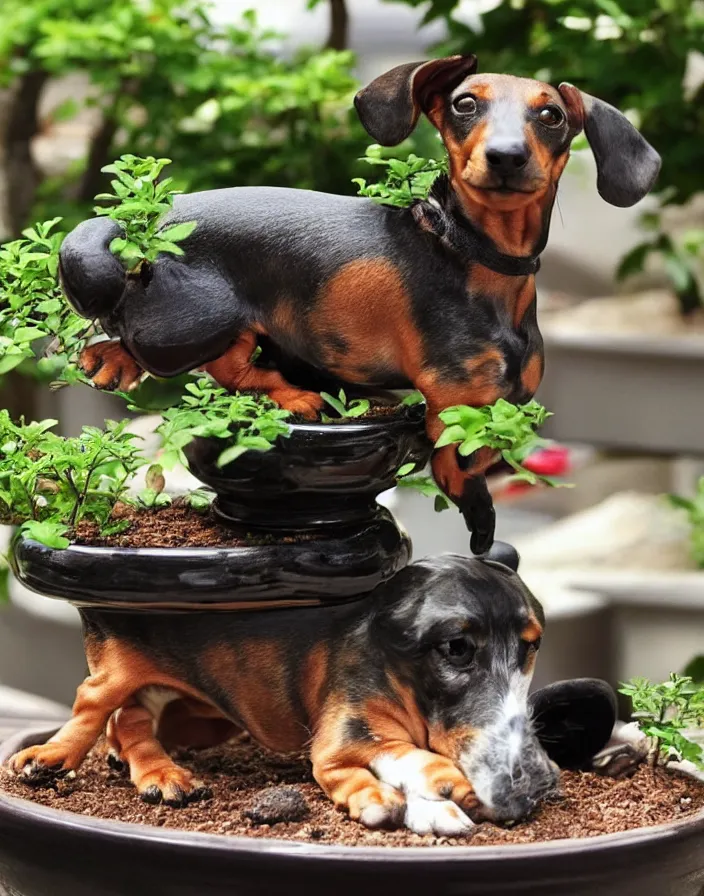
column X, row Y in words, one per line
column 323, row 474
column 50, row 852
column 338, row 564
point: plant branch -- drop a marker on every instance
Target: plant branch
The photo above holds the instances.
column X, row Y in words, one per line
column 22, row 175
column 339, row 26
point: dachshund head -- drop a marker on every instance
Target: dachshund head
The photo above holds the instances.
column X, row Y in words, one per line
column 508, row 138
column 463, row 636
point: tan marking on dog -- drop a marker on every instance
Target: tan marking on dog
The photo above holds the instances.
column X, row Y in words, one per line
column 234, row 370
column 191, row 723
column 253, row 675
column 110, row 366
column 532, row 373
column 367, row 303
column 151, row 768
column 532, row 631
column 312, row 685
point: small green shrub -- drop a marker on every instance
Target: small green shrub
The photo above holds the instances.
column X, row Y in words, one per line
column 34, row 315
column 249, row 422
column 138, row 204
column 503, row 427
column 48, row 484
column 663, row 711
column 404, row 180
column 355, row 407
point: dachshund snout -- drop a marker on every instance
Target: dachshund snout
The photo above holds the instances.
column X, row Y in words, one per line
column 507, row 157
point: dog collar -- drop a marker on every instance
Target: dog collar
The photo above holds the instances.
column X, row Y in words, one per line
column 461, row 237
column 482, row 249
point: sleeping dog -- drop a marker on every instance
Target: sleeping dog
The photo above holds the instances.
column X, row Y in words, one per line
column 413, row 700
column 439, row 296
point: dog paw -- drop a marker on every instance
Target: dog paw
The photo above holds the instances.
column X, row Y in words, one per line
column 378, row 807
column 173, row 786
column 42, row 765
column 110, row 367
column 440, row 817
column 307, row 404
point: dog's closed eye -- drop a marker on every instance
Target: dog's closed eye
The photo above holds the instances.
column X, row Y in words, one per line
column 527, row 648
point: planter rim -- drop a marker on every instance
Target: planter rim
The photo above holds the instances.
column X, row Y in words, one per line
column 404, row 414
column 328, row 853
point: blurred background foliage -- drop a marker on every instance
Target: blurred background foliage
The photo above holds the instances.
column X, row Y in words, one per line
column 167, row 79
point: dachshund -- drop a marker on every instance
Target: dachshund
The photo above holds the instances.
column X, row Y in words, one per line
column 413, row 700
column 439, row 296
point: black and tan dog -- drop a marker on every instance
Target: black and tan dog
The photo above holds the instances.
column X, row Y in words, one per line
column 413, row 701
column 439, row 296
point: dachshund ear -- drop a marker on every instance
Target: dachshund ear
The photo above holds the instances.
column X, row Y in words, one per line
column 390, row 106
column 627, row 164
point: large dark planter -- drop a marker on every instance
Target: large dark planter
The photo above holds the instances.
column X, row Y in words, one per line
column 320, row 484
column 49, row 852
column 327, row 569
column 323, row 474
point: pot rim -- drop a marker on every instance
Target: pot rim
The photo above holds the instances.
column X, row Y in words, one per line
column 412, row 415
column 329, row 854
column 200, row 551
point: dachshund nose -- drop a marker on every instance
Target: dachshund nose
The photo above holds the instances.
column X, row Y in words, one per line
column 507, row 158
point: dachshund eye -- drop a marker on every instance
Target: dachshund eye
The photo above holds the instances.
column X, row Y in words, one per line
column 527, row 648
column 459, row 652
column 551, row 116
column 466, row 105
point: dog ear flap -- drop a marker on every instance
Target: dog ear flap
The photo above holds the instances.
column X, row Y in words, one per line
column 390, row 106
column 627, row 165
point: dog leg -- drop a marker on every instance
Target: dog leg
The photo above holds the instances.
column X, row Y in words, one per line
column 463, row 481
column 234, row 370
column 155, row 775
column 96, row 699
column 387, row 783
column 110, row 366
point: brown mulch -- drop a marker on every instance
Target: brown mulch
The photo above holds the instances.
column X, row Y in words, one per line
column 241, row 776
column 175, row 526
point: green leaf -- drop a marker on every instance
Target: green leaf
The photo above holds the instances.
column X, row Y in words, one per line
column 450, row 436
column 412, row 399
column 405, row 469
column 231, row 454
column 51, row 534
column 334, row 403
column 178, row 232
column 633, row 262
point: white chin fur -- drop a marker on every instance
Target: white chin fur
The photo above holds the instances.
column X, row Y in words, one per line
column 498, row 747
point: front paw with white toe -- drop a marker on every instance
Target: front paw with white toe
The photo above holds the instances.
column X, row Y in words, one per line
column 440, row 817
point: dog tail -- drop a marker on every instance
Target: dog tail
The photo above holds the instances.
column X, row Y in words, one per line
column 92, row 278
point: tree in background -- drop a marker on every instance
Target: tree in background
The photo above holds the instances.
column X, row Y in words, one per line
column 167, row 80
column 635, row 54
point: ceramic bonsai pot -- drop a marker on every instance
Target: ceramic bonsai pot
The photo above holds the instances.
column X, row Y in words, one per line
column 307, row 508
column 50, row 852
column 332, row 567
column 323, row 474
